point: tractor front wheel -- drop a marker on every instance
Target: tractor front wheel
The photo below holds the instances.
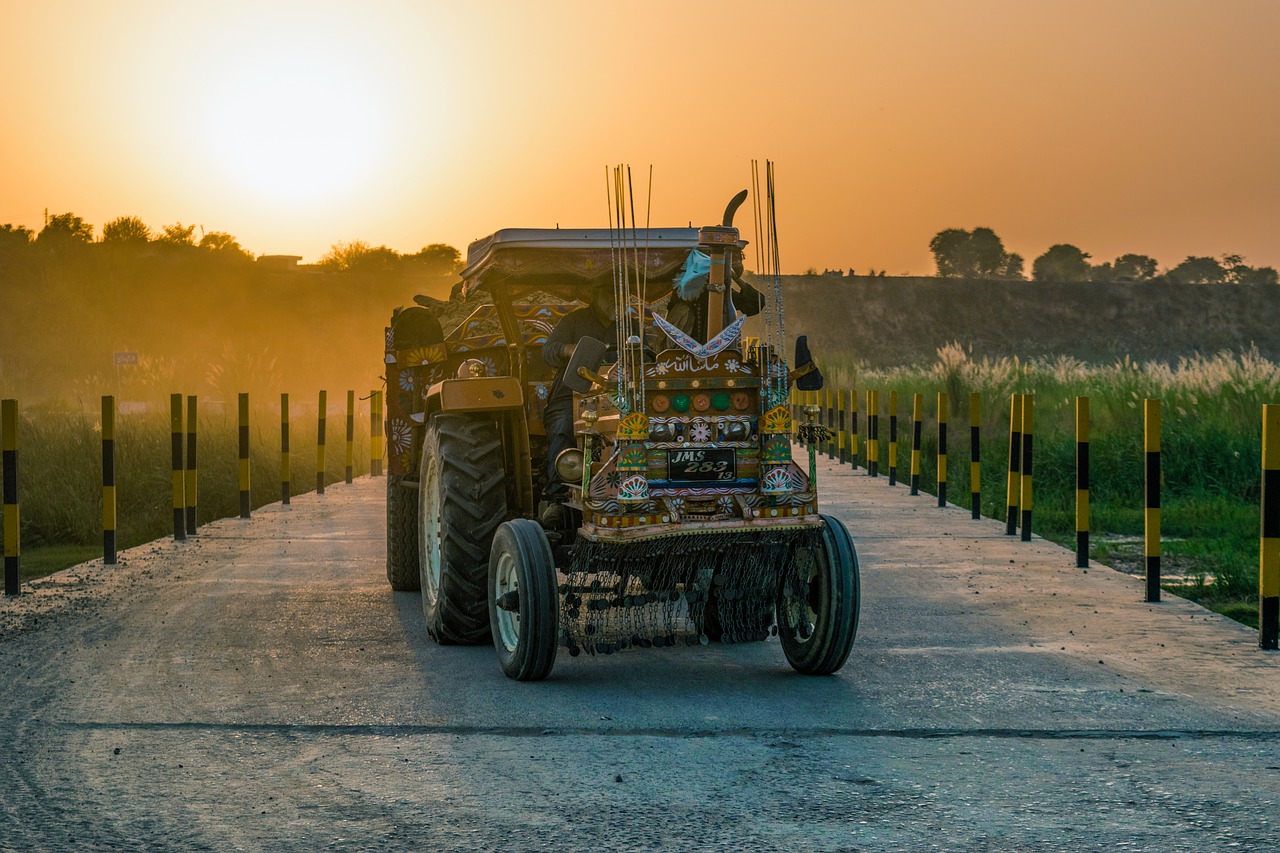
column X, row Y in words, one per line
column 524, row 608
column 818, row 603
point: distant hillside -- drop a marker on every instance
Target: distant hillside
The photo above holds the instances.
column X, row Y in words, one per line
column 891, row 321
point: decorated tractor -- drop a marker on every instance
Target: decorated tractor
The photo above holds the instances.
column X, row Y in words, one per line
column 643, row 494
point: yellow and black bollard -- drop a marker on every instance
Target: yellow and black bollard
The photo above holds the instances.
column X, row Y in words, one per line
column 108, row 481
column 1028, row 428
column 917, row 427
column 873, row 433
column 830, row 423
column 375, row 438
column 179, row 477
column 1082, row 482
column 893, row 438
column 245, row 503
column 942, row 448
column 321, row 418
column 1269, row 552
column 351, row 434
column 1151, row 514
column 190, row 486
column 975, row 454
column 1014, row 488
column 843, row 436
column 285, row 475
column 12, row 529
column 853, row 428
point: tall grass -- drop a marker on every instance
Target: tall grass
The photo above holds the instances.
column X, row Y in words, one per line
column 1210, row 447
column 60, row 472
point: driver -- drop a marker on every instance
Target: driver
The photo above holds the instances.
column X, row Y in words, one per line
column 596, row 320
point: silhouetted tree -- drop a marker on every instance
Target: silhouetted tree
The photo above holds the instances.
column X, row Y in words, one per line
column 176, row 235
column 1198, row 270
column 224, row 246
column 1135, row 267
column 126, row 230
column 979, row 253
column 1238, row 272
column 15, row 246
column 15, row 238
column 435, row 259
column 63, row 229
column 359, row 256
column 1062, row 262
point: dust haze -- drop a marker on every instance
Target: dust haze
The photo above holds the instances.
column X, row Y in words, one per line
column 141, row 324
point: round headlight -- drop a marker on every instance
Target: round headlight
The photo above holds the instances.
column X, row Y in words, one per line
column 660, row 431
column 569, row 465
column 737, row 430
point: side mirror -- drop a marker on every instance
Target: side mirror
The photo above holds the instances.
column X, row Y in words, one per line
column 806, row 373
column 588, row 354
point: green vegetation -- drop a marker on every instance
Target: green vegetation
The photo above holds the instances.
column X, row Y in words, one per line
column 1210, row 454
column 60, row 473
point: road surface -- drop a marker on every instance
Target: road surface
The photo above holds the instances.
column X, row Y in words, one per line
column 260, row 687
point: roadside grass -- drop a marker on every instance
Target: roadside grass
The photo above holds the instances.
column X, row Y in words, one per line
column 1211, row 441
column 60, row 475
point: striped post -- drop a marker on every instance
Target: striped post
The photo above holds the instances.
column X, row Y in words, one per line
column 830, row 406
column 1151, row 514
column 917, row 425
column 942, row 448
column 1028, row 415
column 322, row 417
column 853, row 428
column 244, row 456
column 285, row 476
column 375, row 438
column 842, row 424
column 191, row 501
column 12, row 530
column 108, row 481
column 1082, row 482
column 893, row 438
column 975, row 454
column 351, row 433
column 873, row 433
column 1015, row 462
column 1269, row 554
column 179, row 476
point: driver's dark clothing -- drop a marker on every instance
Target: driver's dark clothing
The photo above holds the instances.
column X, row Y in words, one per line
column 557, row 415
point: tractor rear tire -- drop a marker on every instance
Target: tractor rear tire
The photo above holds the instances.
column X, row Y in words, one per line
column 402, row 536
column 818, row 625
column 461, row 501
column 524, row 631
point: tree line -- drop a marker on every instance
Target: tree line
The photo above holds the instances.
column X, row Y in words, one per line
column 980, row 253
column 68, row 237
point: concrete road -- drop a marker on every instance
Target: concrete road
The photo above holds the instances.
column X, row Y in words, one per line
column 259, row 687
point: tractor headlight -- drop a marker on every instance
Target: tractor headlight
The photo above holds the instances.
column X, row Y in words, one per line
column 661, row 432
column 737, row 430
column 569, row 465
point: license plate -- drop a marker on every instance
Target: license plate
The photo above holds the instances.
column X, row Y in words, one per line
column 702, row 464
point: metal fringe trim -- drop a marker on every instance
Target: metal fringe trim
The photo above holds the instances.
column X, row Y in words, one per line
column 682, row 590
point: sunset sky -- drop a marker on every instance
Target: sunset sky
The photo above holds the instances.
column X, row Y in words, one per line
column 1148, row 126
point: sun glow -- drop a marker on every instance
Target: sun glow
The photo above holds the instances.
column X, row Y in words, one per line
column 296, row 128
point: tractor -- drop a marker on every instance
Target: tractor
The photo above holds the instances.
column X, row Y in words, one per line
column 687, row 519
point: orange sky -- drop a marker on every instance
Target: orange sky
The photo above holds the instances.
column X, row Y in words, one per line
column 1148, row 126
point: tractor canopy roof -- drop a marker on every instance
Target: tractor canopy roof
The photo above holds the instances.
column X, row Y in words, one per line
column 570, row 261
